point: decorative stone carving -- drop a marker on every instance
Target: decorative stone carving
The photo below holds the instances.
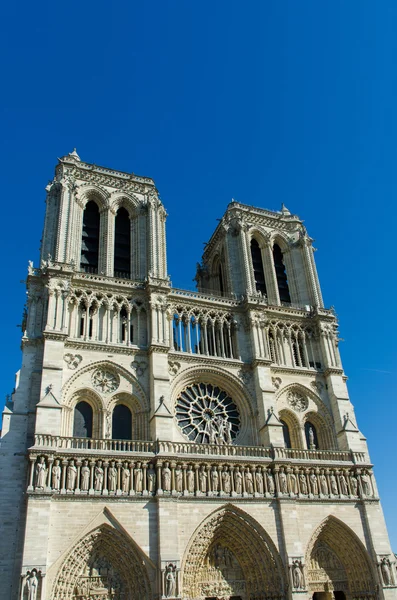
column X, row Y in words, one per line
column 238, row 481
column 297, row 575
column 283, row 481
column 139, row 366
column 170, row 580
column 112, row 477
column 334, row 485
column 72, row 360
column 312, row 445
column 317, row 386
column 105, row 381
column 354, row 485
column 71, row 476
column 296, row 401
column 138, row 479
column 166, row 478
column 173, row 367
column 207, row 414
column 190, row 480
column 85, row 477
column 98, row 477
column 303, row 484
column 323, row 484
column 385, row 569
column 32, row 584
column 41, row 473
column 276, row 381
column 343, row 485
column 249, row 482
column 203, row 480
column 313, row 484
column 56, row 475
column 125, row 478
column 366, row 484
column 270, row 482
column 151, row 478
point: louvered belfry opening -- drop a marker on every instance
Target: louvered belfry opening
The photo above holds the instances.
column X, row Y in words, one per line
column 122, row 244
column 90, row 239
column 257, row 264
column 281, row 274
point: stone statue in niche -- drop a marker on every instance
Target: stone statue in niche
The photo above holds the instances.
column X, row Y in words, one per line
column 166, row 478
column 85, row 477
column 343, row 485
column 228, row 432
column 283, row 481
column 214, row 480
column 259, row 481
column 203, row 480
column 151, row 479
column 32, row 583
column 178, row 479
column 323, row 484
column 313, row 483
column 71, row 476
column 249, row 484
column 226, row 480
column 297, row 575
column 125, row 478
column 303, row 483
column 354, row 485
column 170, row 580
column 293, row 484
column 334, row 485
column 385, row 570
column 138, row 479
column 270, row 482
column 41, row 473
column 112, row 477
column 98, row 477
column 56, row 475
column 190, row 480
column 365, row 483
column 238, row 481
column 312, row 445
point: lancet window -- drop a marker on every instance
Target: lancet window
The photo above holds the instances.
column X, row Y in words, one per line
column 82, row 422
column 257, row 264
column 122, row 244
column 90, row 238
column 212, row 334
column 286, row 434
column 121, row 423
column 281, row 275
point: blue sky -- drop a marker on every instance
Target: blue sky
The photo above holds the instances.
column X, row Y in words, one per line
column 263, row 101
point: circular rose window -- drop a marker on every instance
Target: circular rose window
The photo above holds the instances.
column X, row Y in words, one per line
column 206, row 414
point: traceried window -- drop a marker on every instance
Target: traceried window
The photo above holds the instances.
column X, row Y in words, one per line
column 281, row 274
column 257, row 264
column 82, row 422
column 207, row 414
column 122, row 244
column 121, row 423
column 90, row 238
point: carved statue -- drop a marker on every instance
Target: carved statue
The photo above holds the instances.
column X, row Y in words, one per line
column 71, row 476
column 98, row 477
column 354, row 485
column 283, row 481
column 151, row 479
column 85, row 477
column 220, row 423
column 170, row 580
column 303, row 483
column 323, row 484
column 313, row 483
column 249, row 483
column 112, row 477
column 226, row 480
column 312, row 445
column 270, row 482
column 334, row 485
column 214, row 479
column 41, row 473
column 343, row 485
column 365, row 483
column 238, row 482
column 259, row 481
column 293, row 483
column 125, row 478
column 32, row 584
column 385, row 569
column 212, row 432
column 138, row 478
column 56, row 475
column 190, row 480
column 178, row 479
column 228, row 432
column 297, row 575
column 166, row 478
column 203, row 479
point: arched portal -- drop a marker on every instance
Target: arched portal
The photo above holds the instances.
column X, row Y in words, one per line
column 231, row 556
column 338, row 565
column 104, row 565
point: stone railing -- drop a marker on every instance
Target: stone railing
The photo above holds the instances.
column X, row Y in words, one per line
column 44, row 440
column 320, row 455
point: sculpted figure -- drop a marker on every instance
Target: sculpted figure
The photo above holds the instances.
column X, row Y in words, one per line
column 166, row 478
column 354, row 484
column 125, row 478
column 215, row 480
column 297, row 575
column 312, row 445
column 334, row 485
column 366, row 484
column 170, row 580
column 138, row 479
column 343, row 485
column 190, row 480
column 293, row 483
column 32, row 585
column 249, row 483
column 220, row 423
column 71, row 476
column 178, row 479
column 112, row 477
column 259, row 481
column 323, row 484
column 212, row 432
column 56, row 475
column 226, row 480
column 228, row 433
column 85, row 477
column 303, row 483
column 314, row 483
column 282, row 477
column 151, row 479
column 203, row 480
column 270, row 482
column 98, row 477
column 385, row 568
column 238, row 482
column 41, row 473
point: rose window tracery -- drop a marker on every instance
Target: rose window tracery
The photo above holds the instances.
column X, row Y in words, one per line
column 207, row 414
column 105, row 381
column 297, row 401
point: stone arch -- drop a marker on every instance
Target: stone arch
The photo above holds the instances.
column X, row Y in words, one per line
column 256, row 565
column 294, row 427
column 139, row 414
column 337, row 560
column 87, row 192
column 104, row 558
column 97, row 405
column 123, row 200
column 323, row 430
column 229, row 383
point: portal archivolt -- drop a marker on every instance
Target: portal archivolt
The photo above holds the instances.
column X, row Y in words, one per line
column 230, row 555
column 104, row 565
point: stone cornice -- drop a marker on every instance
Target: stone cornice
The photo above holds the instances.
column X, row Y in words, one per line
column 57, row 336
column 295, row 371
column 203, row 359
column 103, row 347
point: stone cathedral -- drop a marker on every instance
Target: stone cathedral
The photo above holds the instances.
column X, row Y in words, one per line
column 163, row 443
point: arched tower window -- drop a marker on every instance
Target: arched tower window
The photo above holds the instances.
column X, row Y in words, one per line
column 90, row 238
column 311, row 436
column 286, row 435
column 122, row 244
column 121, row 423
column 281, row 274
column 259, row 274
column 220, row 277
column 82, row 423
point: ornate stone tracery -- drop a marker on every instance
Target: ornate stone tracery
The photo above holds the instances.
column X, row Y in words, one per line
column 105, row 381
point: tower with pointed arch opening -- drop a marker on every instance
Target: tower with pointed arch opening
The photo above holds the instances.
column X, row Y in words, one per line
column 166, row 443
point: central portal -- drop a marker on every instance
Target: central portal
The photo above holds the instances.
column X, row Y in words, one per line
column 221, row 575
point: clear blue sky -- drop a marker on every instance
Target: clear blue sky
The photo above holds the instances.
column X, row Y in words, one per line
column 263, row 101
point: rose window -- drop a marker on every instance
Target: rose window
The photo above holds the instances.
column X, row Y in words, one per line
column 207, row 414
column 297, row 401
column 105, row 381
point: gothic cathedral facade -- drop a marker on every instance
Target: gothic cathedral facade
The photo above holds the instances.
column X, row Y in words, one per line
column 163, row 443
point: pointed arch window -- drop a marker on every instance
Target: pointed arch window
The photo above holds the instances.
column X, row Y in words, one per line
column 90, row 238
column 257, row 264
column 311, row 436
column 121, row 423
column 281, row 275
column 286, row 435
column 82, row 422
column 122, row 244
